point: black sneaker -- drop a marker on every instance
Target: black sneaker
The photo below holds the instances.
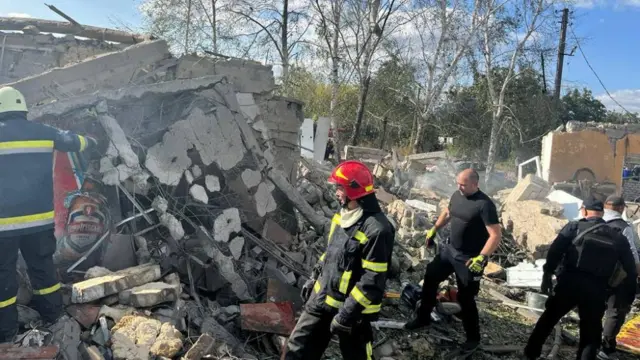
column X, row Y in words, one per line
column 417, row 323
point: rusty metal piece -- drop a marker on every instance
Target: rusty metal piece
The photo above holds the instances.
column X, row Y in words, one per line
column 85, row 314
column 275, row 318
column 13, row 352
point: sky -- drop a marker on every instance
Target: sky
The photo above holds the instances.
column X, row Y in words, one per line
column 607, row 31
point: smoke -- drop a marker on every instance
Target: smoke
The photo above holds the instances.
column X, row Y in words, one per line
column 441, row 178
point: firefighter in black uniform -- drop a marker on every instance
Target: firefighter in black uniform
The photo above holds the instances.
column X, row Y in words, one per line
column 475, row 235
column 595, row 258
column 347, row 286
column 26, row 208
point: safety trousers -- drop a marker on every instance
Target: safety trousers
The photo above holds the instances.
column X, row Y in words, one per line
column 37, row 250
column 311, row 336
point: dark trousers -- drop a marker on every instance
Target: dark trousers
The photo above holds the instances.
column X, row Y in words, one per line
column 37, row 250
column 443, row 265
column 618, row 306
column 311, row 337
column 572, row 290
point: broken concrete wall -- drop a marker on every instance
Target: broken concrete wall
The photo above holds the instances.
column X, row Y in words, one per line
column 595, row 153
column 23, row 55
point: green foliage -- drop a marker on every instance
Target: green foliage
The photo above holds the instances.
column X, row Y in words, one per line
column 582, row 106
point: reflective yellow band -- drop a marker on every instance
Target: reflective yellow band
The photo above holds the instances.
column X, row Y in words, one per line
column 372, row 309
column 83, row 143
column 336, row 219
column 4, row 304
column 333, row 302
column 368, row 188
column 344, row 281
column 369, row 351
column 25, row 147
column 362, row 300
column 27, row 221
column 361, row 237
column 47, row 291
column 316, row 286
column 322, row 257
column 374, row 266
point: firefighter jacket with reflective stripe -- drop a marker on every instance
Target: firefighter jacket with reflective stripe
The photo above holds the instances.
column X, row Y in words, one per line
column 354, row 268
column 26, row 178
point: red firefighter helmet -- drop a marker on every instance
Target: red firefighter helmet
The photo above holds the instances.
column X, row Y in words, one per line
column 355, row 177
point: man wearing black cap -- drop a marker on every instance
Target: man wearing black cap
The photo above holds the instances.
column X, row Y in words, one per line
column 619, row 303
column 592, row 254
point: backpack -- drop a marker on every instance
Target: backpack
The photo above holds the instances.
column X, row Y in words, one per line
column 597, row 252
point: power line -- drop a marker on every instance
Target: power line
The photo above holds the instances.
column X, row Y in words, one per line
column 596, row 74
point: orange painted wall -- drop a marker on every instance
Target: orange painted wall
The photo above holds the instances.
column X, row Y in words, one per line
column 590, row 149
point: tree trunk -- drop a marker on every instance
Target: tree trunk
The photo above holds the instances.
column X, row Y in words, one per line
column 362, row 102
column 493, row 148
column 284, row 41
column 214, row 26
column 385, row 120
column 335, row 80
column 417, row 141
column 186, row 36
column 59, row 27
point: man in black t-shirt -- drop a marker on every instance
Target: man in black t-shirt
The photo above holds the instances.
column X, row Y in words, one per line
column 475, row 235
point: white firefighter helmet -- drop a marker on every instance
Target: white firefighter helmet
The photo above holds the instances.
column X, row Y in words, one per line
column 11, row 100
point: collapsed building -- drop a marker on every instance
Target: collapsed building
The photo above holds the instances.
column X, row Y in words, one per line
column 195, row 171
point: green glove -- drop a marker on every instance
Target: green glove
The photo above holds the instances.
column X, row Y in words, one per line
column 431, row 234
column 477, row 264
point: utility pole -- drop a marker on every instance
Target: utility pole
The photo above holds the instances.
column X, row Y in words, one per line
column 544, row 75
column 563, row 38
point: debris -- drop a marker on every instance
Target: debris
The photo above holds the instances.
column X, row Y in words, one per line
column 227, row 223
column 115, row 313
column 150, row 294
column 235, row 246
column 66, row 335
column 212, row 183
column 275, row 318
column 202, row 347
column 97, row 288
column 97, row 271
column 629, row 337
column 526, row 274
column 529, row 188
column 174, row 226
column 199, row 193
column 85, row 314
column 14, row 352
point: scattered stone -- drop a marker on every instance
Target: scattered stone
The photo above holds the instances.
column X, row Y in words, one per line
column 188, row 176
column 85, row 314
column 274, row 232
column 97, row 288
column 168, row 343
column 265, row 203
column 196, row 171
column 235, row 246
column 66, row 334
column 212, row 182
column 202, row 347
column 175, row 227
column 173, row 279
column 251, row 178
column 150, row 294
column 257, row 250
column 422, row 348
column 227, row 223
column 296, row 256
column 160, row 205
column 199, row 194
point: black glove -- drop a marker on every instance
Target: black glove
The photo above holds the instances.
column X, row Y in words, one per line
column 340, row 326
column 307, row 288
column 547, row 284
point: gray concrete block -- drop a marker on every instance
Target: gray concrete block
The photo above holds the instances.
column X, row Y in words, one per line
column 97, row 288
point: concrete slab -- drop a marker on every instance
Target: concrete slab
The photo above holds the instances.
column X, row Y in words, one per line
column 251, row 178
column 108, row 71
column 235, row 246
column 150, row 294
column 265, row 202
column 97, row 288
column 199, row 193
column 212, row 183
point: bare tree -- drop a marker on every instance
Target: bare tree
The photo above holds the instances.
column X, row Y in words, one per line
column 270, row 25
column 519, row 22
column 365, row 25
column 439, row 35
